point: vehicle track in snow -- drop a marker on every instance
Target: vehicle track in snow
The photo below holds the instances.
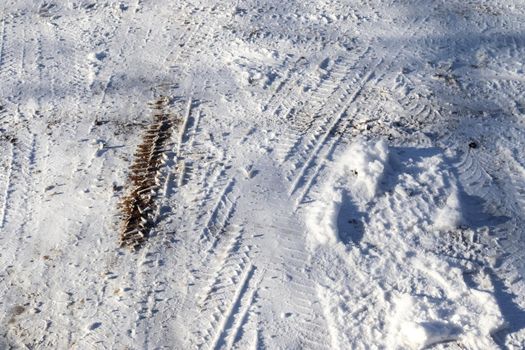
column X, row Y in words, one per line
column 229, row 327
column 138, row 206
column 77, row 69
column 239, row 271
column 287, row 86
column 290, row 268
column 19, row 183
column 2, row 43
column 17, row 212
column 13, row 55
column 193, row 44
column 7, row 149
column 212, row 186
column 221, row 299
column 310, row 151
column 324, row 134
column 186, row 141
column 220, row 213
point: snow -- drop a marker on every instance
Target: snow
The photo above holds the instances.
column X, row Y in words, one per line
column 294, row 175
column 450, row 216
column 440, row 307
column 358, row 171
column 421, row 335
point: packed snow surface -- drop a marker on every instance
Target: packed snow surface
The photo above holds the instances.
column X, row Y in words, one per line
column 255, row 174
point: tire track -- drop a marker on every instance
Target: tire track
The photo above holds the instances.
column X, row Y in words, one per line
column 188, row 161
column 20, row 183
column 416, row 104
column 516, row 175
column 287, row 268
column 194, row 43
column 48, row 70
column 18, row 215
column 185, row 143
column 497, row 182
column 225, row 301
column 228, row 257
column 305, row 109
column 333, row 327
column 305, row 140
column 233, row 320
column 172, row 56
column 85, row 69
column 7, row 164
column 329, row 132
column 474, row 177
column 326, row 133
column 12, row 59
column 235, row 334
column 305, row 118
column 216, row 258
column 138, row 206
column 219, row 214
column 77, row 68
column 2, row 44
column 287, row 86
column 151, row 282
column 211, row 187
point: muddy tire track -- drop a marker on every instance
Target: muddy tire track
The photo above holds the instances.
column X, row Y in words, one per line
column 138, row 206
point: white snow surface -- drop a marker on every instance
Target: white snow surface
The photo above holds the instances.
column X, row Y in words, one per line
column 384, row 245
column 357, row 172
column 337, row 175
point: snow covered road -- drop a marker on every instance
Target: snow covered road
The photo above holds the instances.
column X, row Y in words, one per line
column 262, row 175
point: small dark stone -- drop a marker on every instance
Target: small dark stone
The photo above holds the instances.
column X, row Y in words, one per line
column 94, row 326
column 100, row 122
column 473, row 144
